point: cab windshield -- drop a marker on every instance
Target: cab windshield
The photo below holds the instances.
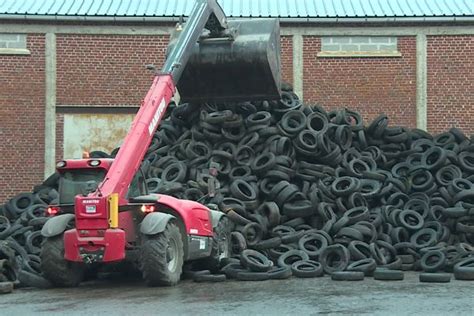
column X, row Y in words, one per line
column 73, row 182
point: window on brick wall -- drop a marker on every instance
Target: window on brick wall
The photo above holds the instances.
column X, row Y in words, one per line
column 13, row 44
column 358, row 46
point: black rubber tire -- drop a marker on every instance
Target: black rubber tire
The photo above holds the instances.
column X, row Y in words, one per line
column 434, row 158
column 286, row 194
column 242, row 190
column 8, row 269
column 357, row 214
column 238, row 242
column 226, row 261
column 359, row 250
column 175, row 172
column 433, row 261
column 317, row 122
column 367, row 266
column 435, row 277
column 420, row 241
column 340, row 252
column 255, row 261
column 293, row 122
column 277, row 252
column 307, row 269
column 454, row 212
column 313, row 244
column 4, row 227
column 6, row 287
column 56, row 269
column 271, row 211
column 209, row 278
column 347, row 276
column 154, row 258
column 52, row 180
column 388, row 275
column 298, row 209
column 232, row 269
column 282, row 230
column 345, row 186
column 396, row 264
column 268, row 243
column 411, row 220
column 33, row 242
column 291, row 256
column 407, row 259
column 253, row 233
column 221, row 246
column 464, row 270
column 292, row 237
column 280, row 273
column 21, row 202
column 263, row 162
column 7, row 253
column 98, row 154
column 238, row 219
column 33, row 280
column 252, row 276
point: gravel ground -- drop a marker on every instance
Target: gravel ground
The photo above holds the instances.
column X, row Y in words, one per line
column 284, row 297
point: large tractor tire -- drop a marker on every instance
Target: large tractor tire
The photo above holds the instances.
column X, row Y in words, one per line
column 59, row 271
column 162, row 257
column 221, row 247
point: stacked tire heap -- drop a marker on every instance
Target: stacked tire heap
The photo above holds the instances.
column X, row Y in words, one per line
column 21, row 220
column 313, row 192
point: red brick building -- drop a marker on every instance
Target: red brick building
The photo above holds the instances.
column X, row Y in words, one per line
column 71, row 80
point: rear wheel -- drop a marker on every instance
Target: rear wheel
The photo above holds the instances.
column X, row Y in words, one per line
column 162, row 257
column 59, row 271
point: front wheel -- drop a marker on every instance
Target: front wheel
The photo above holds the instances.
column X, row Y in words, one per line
column 59, row 271
column 162, row 257
column 221, row 246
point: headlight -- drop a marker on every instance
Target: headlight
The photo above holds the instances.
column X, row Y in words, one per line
column 61, row 164
column 94, row 163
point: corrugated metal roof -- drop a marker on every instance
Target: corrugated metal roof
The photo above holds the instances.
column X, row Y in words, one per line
column 242, row 8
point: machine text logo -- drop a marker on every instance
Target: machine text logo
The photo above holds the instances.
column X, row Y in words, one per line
column 156, row 117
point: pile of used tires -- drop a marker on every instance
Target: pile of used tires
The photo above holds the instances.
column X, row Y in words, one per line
column 310, row 192
column 313, row 192
column 21, row 220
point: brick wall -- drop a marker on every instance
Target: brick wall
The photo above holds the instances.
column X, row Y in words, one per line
column 286, row 43
column 106, row 69
column 371, row 85
column 22, row 86
column 450, row 83
column 109, row 70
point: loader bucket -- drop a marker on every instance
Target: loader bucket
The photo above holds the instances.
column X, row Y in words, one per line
column 246, row 68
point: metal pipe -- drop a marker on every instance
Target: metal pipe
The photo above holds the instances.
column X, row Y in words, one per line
column 169, row 19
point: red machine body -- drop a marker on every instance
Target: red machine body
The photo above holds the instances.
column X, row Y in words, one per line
column 106, row 219
column 93, row 234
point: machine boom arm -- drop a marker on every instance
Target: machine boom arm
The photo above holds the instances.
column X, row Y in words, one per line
column 136, row 143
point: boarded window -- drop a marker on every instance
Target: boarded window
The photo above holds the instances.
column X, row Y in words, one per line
column 13, row 44
column 98, row 131
column 353, row 46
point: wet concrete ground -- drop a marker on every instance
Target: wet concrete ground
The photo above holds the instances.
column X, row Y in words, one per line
column 279, row 297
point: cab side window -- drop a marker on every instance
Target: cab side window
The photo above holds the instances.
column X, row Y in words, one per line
column 137, row 187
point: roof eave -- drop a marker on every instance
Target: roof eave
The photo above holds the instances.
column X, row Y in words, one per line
column 387, row 19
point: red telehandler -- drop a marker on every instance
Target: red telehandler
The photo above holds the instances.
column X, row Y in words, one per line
column 105, row 214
